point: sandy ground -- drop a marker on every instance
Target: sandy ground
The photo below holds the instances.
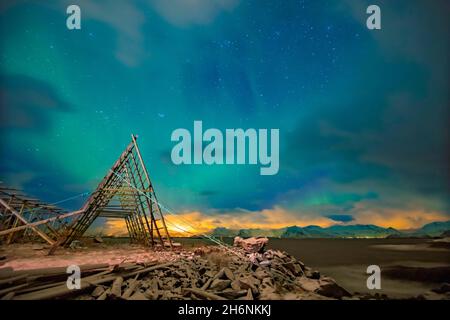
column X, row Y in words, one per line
column 34, row 256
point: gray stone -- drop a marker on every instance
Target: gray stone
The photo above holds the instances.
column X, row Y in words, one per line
column 295, row 268
column 232, row 294
column 313, row 274
column 249, row 282
column 249, row 295
column 138, row 296
column 228, row 273
column 220, row 284
column 329, row 288
column 97, row 292
column 235, row 284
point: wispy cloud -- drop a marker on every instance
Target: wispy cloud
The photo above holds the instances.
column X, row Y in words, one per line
column 196, row 222
column 27, row 103
column 187, row 12
column 128, row 18
column 399, row 218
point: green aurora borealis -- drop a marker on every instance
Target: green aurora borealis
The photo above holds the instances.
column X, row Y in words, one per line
column 363, row 115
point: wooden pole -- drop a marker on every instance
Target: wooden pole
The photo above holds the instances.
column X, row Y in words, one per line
column 14, row 212
column 16, row 222
column 151, row 188
column 37, row 223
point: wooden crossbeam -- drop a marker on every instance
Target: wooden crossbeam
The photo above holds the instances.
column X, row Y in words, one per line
column 38, row 223
column 18, row 216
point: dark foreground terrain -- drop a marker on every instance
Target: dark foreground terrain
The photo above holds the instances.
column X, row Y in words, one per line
column 207, row 272
column 409, row 267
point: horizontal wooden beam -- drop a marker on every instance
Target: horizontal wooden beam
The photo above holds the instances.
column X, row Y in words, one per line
column 38, row 223
column 14, row 212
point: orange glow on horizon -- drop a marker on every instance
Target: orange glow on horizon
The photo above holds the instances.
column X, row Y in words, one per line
column 196, row 223
column 400, row 219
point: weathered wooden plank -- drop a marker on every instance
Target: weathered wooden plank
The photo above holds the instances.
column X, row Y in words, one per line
column 131, row 288
column 11, row 289
column 204, row 294
column 8, row 296
column 39, row 232
column 116, row 288
column 38, row 223
column 87, row 282
column 13, row 279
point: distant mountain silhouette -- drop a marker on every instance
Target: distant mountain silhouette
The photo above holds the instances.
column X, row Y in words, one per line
column 445, row 234
column 337, row 231
column 433, row 229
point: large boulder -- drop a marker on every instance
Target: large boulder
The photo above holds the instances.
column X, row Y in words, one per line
column 329, row 288
column 251, row 245
column 325, row 286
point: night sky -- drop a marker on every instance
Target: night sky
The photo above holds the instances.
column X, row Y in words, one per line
column 363, row 114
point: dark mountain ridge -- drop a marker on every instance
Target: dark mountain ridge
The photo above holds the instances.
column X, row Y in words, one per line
column 433, row 229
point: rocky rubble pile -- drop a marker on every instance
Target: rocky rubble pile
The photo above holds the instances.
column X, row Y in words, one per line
column 214, row 273
column 217, row 273
column 247, row 272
